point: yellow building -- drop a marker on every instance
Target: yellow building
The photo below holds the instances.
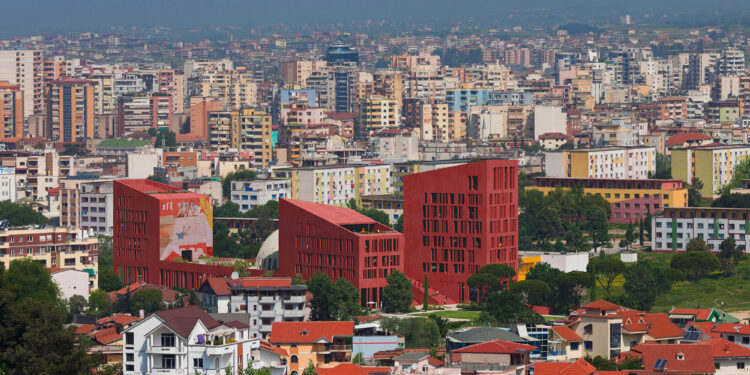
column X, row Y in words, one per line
column 605, row 162
column 713, row 165
column 324, row 344
column 377, row 113
column 630, row 200
column 246, row 129
column 526, row 264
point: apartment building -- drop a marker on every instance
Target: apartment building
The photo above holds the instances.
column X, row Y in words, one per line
column 233, row 88
column 630, row 200
column 70, row 110
column 607, row 163
column 96, row 203
column 677, row 226
column 25, row 69
column 8, row 184
column 377, row 113
column 324, row 344
column 713, row 165
column 188, row 340
column 256, row 193
column 11, row 111
column 259, row 301
column 66, row 248
column 337, row 184
column 671, row 108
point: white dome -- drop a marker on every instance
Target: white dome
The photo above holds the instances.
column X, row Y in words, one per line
column 268, row 255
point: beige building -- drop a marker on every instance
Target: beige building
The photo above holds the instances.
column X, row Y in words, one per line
column 377, row 113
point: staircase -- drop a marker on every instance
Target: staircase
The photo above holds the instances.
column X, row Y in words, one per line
column 434, row 298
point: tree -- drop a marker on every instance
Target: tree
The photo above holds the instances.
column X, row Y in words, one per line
column 605, row 271
column 239, row 175
column 741, row 172
column 426, row 296
column 733, row 200
column 597, row 213
column 663, row 167
column 695, row 264
column 148, row 300
column 332, row 301
column 399, row 225
column 359, row 359
column 162, row 179
column 484, row 283
column 641, row 285
column 251, row 371
column 571, row 289
column 377, row 215
column 228, row 209
column 694, row 192
column 98, row 303
column 532, row 292
column 310, row 369
column 76, row 304
column 729, row 255
column 506, row 307
column 417, row 332
column 108, row 281
column 697, row 244
column 501, row 271
column 165, row 138
column 19, row 215
column 74, row 148
column 31, row 281
column 575, row 239
column 640, row 232
column 397, row 294
column 629, row 238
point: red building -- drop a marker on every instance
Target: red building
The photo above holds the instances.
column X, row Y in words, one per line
column 459, row 219
column 338, row 242
column 161, row 233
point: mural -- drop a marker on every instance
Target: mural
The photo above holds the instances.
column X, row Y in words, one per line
column 186, row 229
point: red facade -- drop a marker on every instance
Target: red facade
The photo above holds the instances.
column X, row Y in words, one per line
column 154, row 225
column 338, row 242
column 459, row 219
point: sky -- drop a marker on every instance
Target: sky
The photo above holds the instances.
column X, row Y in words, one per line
column 33, row 16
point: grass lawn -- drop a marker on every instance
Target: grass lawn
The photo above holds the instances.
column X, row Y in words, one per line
column 461, row 314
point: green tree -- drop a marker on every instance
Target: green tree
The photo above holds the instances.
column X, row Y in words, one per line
column 239, row 175
column 697, row 244
column 426, row 296
column 532, row 292
column 228, row 209
column 399, row 225
column 663, row 167
column 19, row 215
column 641, row 285
column 98, row 303
column 377, row 215
column 629, row 238
column 397, row 295
column 76, row 304
column 733, row 200
column 597, row 213
column 501, row 271
column 695, row 264
column 484, row 283
column 332, row 301
column 605, row 271
column 148, row 300
column 74, row 148
column 694, row 192
column 506, row 307
column 110, row 369
column 108, row 281
column 729, row 255
column 31, row 281
column 417, row 332
column 741, row 172
column 251, row 371
column 310, row 369
column 572, row 286
column 575, row 239
column 359, row 359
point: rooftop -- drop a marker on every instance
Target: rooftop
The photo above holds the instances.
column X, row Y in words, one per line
column 296, row 332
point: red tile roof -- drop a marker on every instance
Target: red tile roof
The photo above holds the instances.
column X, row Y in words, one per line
column 554, row 136
column 106, row 336
column 694, row 356
column 681, row 138
column 579, row 367
column 367, row 318
column 352, row 369
column 334, row 214
column 182, row 320
column 721, row 348
column 299, row 332
column 600, row 304
column 84, row 329
column 219, row 286
column 656, row 325
column 495, row 347
column 700, row 314
column 118, row 318
column 435, row 362
column 269, row 347
column 566, row 333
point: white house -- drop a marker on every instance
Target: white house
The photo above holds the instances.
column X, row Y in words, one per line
column 71, row 282
column 188, row 340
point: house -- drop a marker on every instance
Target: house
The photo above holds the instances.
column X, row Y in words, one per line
column 495, row 352
column 476, row 335
column 354, row 369
column 106, row 335
column 715, row 356
column 734, row 332
column 608, row 329
column 564, row 344
column 324, row 344
column 186, row 340
column 699, row 331
column 577, row 367
column 553, row 141
column 681, row 316
column 71, row 282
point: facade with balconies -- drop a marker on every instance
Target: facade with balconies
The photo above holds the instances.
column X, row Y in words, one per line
column 256, row 301
column 189, row 341
column 324, row 344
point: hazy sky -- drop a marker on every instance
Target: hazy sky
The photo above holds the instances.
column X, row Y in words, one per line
column 28, row 16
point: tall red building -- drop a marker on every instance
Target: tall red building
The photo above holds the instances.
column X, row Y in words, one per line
column 160, row 233
column 459, row 219
column 338, row 242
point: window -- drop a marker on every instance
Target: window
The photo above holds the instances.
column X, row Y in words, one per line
column 198, row 362
column 717, row 365
column 588, row 345
column 294, row 359
column 129, row 338
column 129, row 368
column 588, row 329
column 167, row 339
column 740, row 365
column 168, row 361
column 574, row 345
column 129, row 357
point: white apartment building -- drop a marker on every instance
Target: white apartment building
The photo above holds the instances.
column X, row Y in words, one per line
column 336, row 185
column 609, row 162
column 7, row 184
column 188, row 340
column 96, row 202
column 678, row 225
column 25, row 68
column 255, row 301
column 256, row 193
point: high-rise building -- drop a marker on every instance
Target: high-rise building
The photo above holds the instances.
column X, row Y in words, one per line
column 341, row 53
column 70, row 110
column 11, row 111
column 161, row 233
column 340, row 243
column 376, row 113
column 458, row 219
column 199, row 108
column 25, row 69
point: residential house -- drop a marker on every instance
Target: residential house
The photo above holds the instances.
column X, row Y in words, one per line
column 682, row 316
column 564, row 344
column 734, row 332
column 324, row 344
column 715, row 356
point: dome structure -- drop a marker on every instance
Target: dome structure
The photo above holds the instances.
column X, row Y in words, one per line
column 268, row 255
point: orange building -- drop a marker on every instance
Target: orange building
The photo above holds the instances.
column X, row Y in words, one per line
column 11, row 111
column 70, row 110
column 199, row 108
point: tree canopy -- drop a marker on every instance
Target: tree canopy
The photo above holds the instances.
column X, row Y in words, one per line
column 19, row 214
column 332, row 301
column 417, row 332
column 239, row 175
column 397, row 295
column 605, row 271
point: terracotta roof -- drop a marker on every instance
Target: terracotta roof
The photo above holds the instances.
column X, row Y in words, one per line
column 566, row 333
column 495, row 347
column 118, row 318
column 601, row 304
column 435, row 362
column 694, row 356
column 681, row 138
column 721, row 348
column 661, row 327
column 219, row 286
column 182, row 320
column 269, row 347
column 554, row 136
column 298, row 332
column 334, row 214
column 352, row 369
column 701, row 314
column 106, row 336
column 579, row 367
column 84, row 329
column 367, row 318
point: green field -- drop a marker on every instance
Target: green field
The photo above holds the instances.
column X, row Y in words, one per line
column 461, row 314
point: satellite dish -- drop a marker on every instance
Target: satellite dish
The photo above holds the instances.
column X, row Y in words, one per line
column 235, row 275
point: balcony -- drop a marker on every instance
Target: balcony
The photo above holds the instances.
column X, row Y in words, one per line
column 267, row 313
column 165, row 350
column 267, row 299
column 294, row 313
column 164, row 371
column 294, row 299
column 219, row 350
